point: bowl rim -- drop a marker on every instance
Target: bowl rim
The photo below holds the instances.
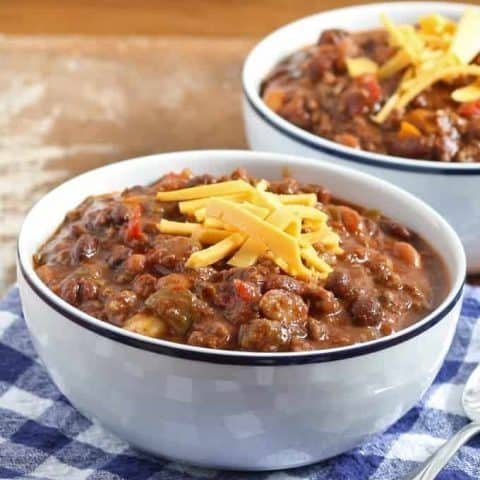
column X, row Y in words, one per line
column 234, row 357
column 324, row 145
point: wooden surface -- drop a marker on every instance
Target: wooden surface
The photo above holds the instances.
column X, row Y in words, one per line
column 158, row 17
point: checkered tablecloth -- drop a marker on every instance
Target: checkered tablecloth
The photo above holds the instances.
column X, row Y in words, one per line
column 43, row 436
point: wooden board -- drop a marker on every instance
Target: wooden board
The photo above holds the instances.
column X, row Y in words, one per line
column 157, row 17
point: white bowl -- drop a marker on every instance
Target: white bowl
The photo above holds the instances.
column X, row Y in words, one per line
column 452, row 189
column 236, row 410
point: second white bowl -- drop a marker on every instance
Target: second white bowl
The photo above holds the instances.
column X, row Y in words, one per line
column 452, row 189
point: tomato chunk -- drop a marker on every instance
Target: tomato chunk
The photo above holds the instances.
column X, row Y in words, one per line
column 244, row 290
column 134, row 227
column 470, row 109
column 370, row 83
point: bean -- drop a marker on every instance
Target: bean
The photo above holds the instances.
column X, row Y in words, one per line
column 118, row 255
column 119, row 214
column 85, row 247
column 70, row 290
column 75, row 290
column 340, row 283
column 88, row 289
column 366, row 311
column 394, row 228
column 407, row 253
column 351, row 219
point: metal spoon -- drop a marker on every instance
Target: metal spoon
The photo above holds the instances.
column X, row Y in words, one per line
column 471, row 405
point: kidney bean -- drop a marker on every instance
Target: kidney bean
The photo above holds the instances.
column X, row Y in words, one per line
column 75, row 290
column 340, row 283
column 88, row 289
column 118, row 255
column 393, row 228
column 366, row 311
column 119, row 214
column 351, row 219
column 70, row 290
column 85, row 247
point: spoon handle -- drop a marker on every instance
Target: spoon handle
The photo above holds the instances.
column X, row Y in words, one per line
column 430, row 469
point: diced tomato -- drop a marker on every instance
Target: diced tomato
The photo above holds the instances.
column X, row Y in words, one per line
column 469, row 109
column 370, row 83
column 244, row 290
column 134, row 227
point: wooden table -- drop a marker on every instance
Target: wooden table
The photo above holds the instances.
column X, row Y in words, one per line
column 97, row 92
column 158, row 17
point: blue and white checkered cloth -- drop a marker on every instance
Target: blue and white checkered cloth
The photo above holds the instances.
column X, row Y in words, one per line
column 43, row 437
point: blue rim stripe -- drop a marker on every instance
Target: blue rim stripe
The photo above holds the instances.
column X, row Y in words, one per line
column 226, row 359
column 352, row 157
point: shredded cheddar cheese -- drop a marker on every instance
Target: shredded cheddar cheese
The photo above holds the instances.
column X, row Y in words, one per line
column 216, row 252
column 248, row 253
column 395, row 64
column 360, row 65
column 204, row 191
column 238, row 223
column 470, row 93
column 177, row 228
column 466, row 42
column 437, row 49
